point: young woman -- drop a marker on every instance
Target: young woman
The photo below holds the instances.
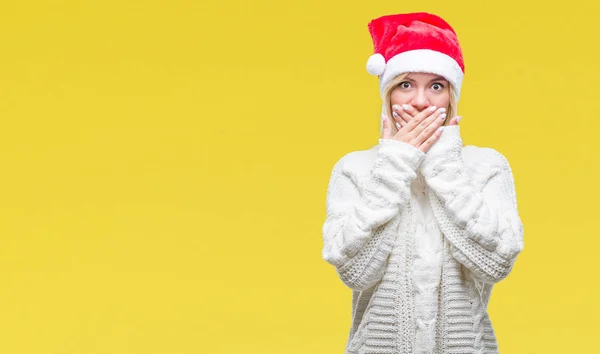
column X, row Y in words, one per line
column 418, row 226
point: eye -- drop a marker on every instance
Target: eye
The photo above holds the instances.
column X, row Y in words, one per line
column 404, row 84
column 437, row 86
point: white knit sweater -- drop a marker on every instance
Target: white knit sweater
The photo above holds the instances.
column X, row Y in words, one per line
column 421, row 239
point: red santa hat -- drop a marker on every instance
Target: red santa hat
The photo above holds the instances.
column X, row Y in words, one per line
column 415, row 42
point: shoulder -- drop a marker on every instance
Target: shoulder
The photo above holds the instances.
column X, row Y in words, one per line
column 478, row 157
column 354, row 162
column 483, row 163
column 348, row 171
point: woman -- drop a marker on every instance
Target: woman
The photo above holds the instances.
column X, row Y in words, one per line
column 420, row 227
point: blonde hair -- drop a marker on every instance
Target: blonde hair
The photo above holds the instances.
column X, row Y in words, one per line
column 451, row 110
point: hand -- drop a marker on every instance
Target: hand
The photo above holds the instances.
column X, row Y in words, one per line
column 420, row 131
column 403, row 119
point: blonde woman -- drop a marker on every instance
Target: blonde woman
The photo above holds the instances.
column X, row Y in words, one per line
column 420, row 227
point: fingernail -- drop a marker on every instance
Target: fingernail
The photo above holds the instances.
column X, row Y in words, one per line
column 458, row 119
column 441, row 128
column 395, row 114
column 443, row 116
column 405, row 106
column 398, row 125
column 395, row 107
column 443, row 110
column 432, row 108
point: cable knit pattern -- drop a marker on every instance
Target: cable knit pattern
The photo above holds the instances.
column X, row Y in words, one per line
column 483, row 226
column 426, row 270
column 421, row 239
column 357, row 235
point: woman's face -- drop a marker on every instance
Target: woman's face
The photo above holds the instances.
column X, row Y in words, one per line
column 422, row 90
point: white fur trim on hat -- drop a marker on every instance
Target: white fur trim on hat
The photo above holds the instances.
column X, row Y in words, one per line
column 423, row 60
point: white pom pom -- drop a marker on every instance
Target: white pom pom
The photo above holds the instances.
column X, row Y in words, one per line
column 376, row 64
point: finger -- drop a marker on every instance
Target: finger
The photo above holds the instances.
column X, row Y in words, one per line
column 427, row 144
column 414, row 127
column 406, row 117
column 423, row 119
column 398, row 123
column 454, row 121
column 430, row 124
column 398, row 117
column 410, row 110
column 395, row 126
column 387, row 128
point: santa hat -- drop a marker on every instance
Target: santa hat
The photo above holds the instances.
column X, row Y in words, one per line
column 415, row 42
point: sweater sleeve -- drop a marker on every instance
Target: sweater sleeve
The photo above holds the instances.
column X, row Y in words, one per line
column 360, row 227
column 479, row 217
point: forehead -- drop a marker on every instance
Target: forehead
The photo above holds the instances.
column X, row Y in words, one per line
column 424, row 76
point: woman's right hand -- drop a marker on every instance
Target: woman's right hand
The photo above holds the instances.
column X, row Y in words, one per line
column 422, row 131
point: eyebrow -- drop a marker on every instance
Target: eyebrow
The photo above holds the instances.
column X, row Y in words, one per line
column 439, row 78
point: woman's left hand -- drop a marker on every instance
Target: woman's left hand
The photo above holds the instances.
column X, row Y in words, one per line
column 407, row 113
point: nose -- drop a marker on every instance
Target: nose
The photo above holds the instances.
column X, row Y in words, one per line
column 420, row 101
